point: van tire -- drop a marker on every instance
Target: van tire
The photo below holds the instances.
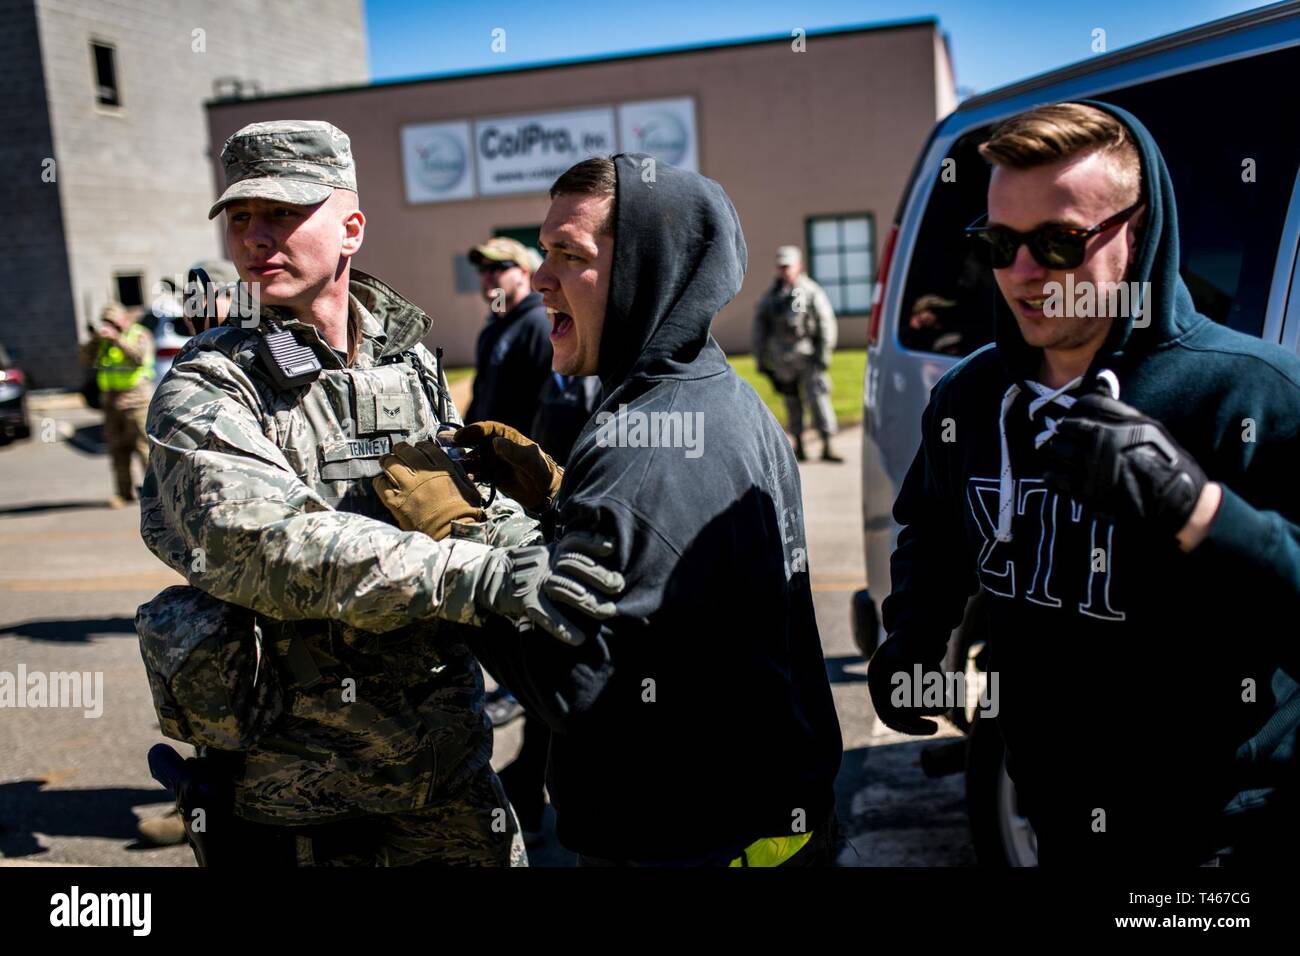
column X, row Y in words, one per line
column 1002, row 838
column 972, row 635
column 866, row 623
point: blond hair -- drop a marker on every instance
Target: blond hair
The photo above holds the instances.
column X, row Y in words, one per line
column 1048, row 134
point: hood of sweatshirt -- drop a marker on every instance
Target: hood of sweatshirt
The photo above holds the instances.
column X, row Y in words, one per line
column 679, row 257
column 1160, row 314
column 1171, row 312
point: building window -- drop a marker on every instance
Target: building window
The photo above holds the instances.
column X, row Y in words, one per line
column 841, row 258
column 130, row 290
column 105, row 60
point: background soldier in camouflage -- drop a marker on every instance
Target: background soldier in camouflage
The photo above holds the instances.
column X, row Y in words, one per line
column 263, row 498
column 794, row 336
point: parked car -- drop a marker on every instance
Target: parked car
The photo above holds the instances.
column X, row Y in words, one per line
column 13, row 400
column 164, row 319
column 1218, row 100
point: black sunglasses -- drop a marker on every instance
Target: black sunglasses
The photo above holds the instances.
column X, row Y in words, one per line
column 489, row 265
column 1053, row 246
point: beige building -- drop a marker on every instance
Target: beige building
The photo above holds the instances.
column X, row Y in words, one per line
column 813, row 137
column 106, row 155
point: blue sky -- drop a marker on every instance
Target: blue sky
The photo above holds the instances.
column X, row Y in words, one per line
column 993, row 42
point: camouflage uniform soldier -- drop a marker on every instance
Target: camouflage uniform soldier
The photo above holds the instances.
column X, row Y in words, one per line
column 122, row 353
column 794, row 336
column 318, row 657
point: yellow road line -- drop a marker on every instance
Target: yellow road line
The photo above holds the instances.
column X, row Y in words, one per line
column 830, row 584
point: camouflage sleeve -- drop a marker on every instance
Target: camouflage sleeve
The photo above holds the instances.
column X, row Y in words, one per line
column 223, row 507
column 509, row 526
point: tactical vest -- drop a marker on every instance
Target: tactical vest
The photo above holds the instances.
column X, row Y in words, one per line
column 344, row 722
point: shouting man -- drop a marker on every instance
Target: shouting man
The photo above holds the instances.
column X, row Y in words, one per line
column 697, row 727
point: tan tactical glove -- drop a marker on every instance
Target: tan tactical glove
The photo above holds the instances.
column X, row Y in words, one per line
column 425, row 490
column 515, row 464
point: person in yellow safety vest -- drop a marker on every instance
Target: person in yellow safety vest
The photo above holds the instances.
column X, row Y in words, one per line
column 122, row 353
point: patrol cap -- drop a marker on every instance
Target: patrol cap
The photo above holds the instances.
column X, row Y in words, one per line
column 788, row 256
column 501, row 249
column 292, row 161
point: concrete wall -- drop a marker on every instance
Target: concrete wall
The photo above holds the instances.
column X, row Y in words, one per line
column 37, row 320
column 135, row 181
column 789, row 135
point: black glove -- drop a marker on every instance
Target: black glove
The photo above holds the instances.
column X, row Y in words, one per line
column 1119, row 462
column 538, row 586
column 892, row 658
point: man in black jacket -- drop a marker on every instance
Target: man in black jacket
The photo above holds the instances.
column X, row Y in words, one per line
column 699, row 728
column 1119, row 483
column 512, row 360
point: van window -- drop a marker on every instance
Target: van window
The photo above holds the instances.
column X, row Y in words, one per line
column 1233, row 159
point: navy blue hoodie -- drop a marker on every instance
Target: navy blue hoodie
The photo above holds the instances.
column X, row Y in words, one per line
column 701, row 719
column 1156, row 686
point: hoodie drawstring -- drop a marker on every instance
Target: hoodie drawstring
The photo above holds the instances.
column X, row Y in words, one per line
column 1006, row 482
column 1046, row 396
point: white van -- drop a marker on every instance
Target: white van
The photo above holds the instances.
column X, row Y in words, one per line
column 1221, row 102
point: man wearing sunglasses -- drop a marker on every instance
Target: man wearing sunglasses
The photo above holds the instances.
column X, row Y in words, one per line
column 1120, row 485
column 513, row 355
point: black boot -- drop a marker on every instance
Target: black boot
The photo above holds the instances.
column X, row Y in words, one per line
column 828, row 453
column 799, row 454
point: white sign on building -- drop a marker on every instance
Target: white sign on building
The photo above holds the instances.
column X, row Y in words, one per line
column 663, row 128
column 524, row 154
column 436, row 162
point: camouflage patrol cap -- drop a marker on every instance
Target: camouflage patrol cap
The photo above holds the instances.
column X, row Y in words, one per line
column 293, row 161
column 501, row 249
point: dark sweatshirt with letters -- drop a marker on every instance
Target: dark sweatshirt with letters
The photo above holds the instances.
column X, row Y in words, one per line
column 1148, row 697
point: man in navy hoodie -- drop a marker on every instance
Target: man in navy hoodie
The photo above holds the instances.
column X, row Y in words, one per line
column 698, row 728
column 1122, row 487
